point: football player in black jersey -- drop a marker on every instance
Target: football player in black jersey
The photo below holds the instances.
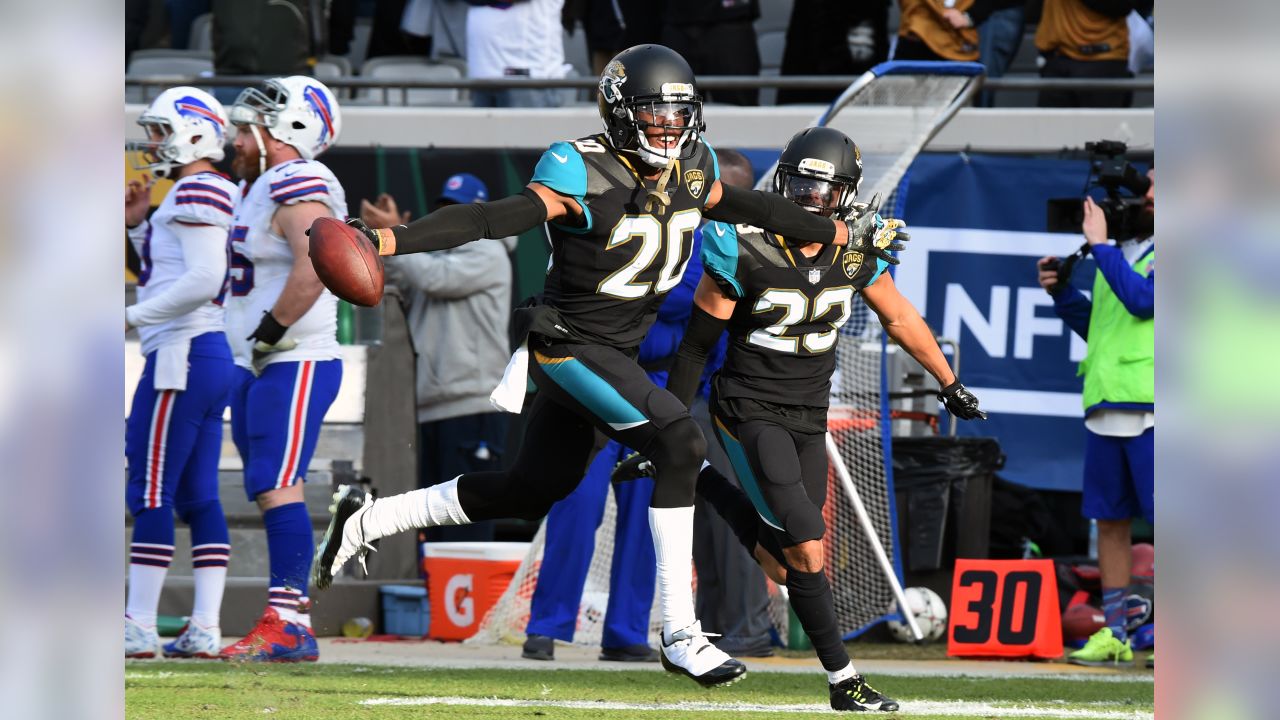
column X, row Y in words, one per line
column 621, row 208
column 784, row 302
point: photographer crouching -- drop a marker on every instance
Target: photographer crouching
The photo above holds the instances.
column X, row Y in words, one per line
column 1119, row 396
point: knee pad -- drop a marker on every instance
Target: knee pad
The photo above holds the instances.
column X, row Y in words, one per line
column 677, row 452
column 801, row 520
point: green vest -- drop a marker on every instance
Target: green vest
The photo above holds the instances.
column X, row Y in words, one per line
column 1120, row 365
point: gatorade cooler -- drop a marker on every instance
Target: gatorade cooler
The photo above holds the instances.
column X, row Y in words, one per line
column 465, row 580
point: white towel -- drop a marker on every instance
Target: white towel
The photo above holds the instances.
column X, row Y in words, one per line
column 509, row 395
column 171, row 365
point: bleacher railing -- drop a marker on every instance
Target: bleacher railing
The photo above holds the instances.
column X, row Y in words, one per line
column 708, row 82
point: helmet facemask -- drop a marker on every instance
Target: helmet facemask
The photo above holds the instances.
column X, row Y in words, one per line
column 814, row 186
column 157, row 156
column 677, row 117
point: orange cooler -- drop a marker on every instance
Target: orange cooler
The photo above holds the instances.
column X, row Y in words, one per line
column 465, row 580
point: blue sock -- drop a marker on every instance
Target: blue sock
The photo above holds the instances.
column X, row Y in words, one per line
column 210, row 555
column 149, row 557
column 291, row 544
column 1113, row 606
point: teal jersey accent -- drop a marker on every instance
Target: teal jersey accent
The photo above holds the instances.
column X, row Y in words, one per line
column 562, row 169
column 720, row 255
column 594, row 392
column 881, row 266
column 715, row 165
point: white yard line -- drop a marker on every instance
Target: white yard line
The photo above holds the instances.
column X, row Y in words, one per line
column 914, row 707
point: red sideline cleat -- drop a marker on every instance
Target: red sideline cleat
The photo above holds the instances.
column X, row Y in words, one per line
column 274, row 640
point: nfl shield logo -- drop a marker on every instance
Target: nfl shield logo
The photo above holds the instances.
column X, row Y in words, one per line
column 814, row 275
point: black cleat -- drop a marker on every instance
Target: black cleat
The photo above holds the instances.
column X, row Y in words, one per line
column 539, row 647
column 632, row 467
column 346, row 502
column 856, row 695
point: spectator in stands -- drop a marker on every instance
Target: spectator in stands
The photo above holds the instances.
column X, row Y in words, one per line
column 833, row 37
column 520, row 39
column 251, row 37
column 1000, row 24
column 1119, row 404
column 181, row 14
column 459, row 302
column 1084, row 39
column 931, row 31
column 732, row 599
column 717, row 38
column 603, row 24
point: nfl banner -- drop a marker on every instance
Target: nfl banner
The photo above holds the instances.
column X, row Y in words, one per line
column 977, row 228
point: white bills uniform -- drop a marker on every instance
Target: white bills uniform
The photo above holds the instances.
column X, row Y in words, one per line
column 200, row 199
column 261, row 260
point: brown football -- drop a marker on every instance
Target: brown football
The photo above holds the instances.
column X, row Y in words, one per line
column 1081, row 621
column 347, row 263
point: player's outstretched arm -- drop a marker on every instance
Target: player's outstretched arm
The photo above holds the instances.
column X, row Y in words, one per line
column 711, row 312
column 303, row 287
column 772, row 212
column 903, row 323
column 455, row 225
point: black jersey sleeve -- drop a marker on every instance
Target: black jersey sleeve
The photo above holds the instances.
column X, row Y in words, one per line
column 454, row 225
column 701, row 336
column 771, row 212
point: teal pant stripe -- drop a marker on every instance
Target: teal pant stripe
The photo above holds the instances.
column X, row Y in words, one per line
column 593, row 392
column 738, row 458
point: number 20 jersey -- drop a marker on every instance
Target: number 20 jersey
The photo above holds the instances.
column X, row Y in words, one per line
column 607, row 277
column 261, row 260
column 783, row 332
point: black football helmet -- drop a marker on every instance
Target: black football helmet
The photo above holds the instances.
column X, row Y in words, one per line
column 651, row 86
column 820, row 170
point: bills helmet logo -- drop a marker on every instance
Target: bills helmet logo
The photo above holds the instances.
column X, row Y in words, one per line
column 191, row 107
column 320, row 106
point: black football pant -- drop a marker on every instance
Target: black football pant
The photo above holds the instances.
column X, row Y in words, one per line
column 581, row 389
column 784, row 481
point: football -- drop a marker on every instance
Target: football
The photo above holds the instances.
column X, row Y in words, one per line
column 930, row 612
column 346, row 262
column 1081, row 621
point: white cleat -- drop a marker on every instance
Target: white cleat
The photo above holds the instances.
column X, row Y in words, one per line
column 692, row 655
column 344, row 538
column 139, row 641
column 195, row 641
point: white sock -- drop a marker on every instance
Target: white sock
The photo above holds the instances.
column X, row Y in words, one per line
column 145, row 584
column 842, row 674
column 672, row 530
column 303, row 614
column 288, row 615
column 210, row 582
column 429, row 507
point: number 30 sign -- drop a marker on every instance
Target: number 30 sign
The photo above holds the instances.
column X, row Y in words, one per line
column 1005, row 608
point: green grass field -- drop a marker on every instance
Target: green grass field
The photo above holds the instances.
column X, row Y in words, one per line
column 333, row 691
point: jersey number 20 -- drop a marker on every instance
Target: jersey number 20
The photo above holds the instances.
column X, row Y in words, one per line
column 795, row 310
column 622, row 283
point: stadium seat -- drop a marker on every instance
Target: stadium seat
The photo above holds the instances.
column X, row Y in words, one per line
column 360, row 42
column 164, row 62
column 202, row 32
column 410, row 67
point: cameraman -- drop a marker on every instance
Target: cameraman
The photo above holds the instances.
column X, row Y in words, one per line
column 1119, row 403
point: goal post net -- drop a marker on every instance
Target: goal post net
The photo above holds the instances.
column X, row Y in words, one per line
column 891, row 112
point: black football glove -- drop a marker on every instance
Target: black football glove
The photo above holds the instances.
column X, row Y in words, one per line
column 268, row 338
column 960, row 402
column 632, row 467
column 872, row 234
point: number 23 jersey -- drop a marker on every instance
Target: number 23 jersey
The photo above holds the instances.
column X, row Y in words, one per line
column 607, row 277
column 261, row 260
column 783, row 331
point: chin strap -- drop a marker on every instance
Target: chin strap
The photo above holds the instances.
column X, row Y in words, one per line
column 658, row 199
column 262, row 150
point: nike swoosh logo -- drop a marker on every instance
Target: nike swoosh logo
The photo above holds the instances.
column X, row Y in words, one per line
column 561, row 158
column 719, row 231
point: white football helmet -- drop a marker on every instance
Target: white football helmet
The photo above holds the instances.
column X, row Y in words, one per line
column 192, row 125
column 297, row 110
